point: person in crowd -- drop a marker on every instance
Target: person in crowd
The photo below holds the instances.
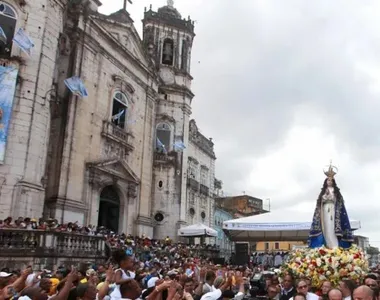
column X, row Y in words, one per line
column 124, row 273
column 208, row 285
column 347, row 288
column 288, row 290
column 325, row 288
column 273, row 293
column 363, row 292
column 334, row 294
column 299, row 296
column 303, row 288
column 371, row 281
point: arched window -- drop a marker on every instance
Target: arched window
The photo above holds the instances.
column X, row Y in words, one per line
column 119, row 109
column 168, row 52
column 8, row 20
column 163, row 134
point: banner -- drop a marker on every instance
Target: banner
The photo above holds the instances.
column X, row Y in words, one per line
column 8, row 78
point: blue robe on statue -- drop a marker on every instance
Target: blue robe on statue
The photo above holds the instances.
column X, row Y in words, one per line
column 342, row 226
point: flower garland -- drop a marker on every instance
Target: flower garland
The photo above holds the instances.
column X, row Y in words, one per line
column 322, row 264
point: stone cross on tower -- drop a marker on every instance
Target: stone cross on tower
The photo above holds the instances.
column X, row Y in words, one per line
column 125, row 4
column 170, row 3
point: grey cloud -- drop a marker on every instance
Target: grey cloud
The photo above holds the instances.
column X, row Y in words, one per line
column 259, row 63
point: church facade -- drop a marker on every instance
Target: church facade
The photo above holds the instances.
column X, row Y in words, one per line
column 113, row 158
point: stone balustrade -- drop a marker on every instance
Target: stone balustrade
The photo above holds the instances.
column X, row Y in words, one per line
column 49, row 248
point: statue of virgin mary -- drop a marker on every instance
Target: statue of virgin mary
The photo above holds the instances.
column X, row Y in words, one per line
column 331, row 226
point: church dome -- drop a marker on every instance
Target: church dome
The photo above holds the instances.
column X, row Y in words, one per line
column 169, row 11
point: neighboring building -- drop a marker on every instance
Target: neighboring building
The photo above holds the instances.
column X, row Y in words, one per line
column 69, row 158
column 225, row 245
column 200, row 178
column 241, row 206
column 362, row 241
column 276, row 246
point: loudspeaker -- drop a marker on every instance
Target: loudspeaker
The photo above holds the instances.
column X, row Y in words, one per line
column 241, row 254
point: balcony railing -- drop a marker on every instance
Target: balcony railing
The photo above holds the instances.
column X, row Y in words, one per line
column 164, row 159
column 117, row 134
column 204, row 190
column 193, row 184
column 41, row 244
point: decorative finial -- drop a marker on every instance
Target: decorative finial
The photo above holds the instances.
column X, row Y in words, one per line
column 331, row 171
column 170, row 3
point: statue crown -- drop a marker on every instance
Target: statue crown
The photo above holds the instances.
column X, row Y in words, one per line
column 331, row 171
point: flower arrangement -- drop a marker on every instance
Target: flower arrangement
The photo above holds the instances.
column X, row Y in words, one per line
column 322, row 264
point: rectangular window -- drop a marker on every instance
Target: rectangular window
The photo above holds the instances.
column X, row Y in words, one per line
column 277, row 246
column 204, row 175
column 266, row 246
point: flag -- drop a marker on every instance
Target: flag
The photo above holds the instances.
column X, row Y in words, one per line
column 179, row 146
column 23, row 41
column 118, row 115
column 160, row 145
column 76, row 86
column 3, row 37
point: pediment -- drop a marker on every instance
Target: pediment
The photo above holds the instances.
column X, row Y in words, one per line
column 124, row 32
column 115, row 167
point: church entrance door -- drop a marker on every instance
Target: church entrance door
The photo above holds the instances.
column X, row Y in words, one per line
column 109, row 207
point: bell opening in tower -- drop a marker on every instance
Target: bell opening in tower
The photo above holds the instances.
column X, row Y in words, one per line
column 184, row 56
column 167, row 52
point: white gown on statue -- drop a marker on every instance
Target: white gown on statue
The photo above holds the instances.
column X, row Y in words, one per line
column 328, row 219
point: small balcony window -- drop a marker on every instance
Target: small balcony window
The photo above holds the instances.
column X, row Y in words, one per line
column 119, row 109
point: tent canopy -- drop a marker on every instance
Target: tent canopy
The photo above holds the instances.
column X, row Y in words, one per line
column 271, row 227
column 197, row 230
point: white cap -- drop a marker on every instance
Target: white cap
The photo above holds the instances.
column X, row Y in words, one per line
column 5, row 274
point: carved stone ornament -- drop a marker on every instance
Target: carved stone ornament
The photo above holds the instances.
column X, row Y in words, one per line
column 132, row 191
column 64, row 45
column 193, row 128
column 113, row 150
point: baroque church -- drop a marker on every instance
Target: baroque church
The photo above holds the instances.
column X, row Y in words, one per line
column 68, row 157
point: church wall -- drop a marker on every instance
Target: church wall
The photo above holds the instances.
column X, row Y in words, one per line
column 22, row 174
column 84, row 142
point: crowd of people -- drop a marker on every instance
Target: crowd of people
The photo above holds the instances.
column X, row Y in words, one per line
column 269, row 259
column 183, row 279
column 143, row 268
column 141, row 246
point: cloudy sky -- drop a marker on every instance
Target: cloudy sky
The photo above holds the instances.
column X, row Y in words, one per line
column 296, row 83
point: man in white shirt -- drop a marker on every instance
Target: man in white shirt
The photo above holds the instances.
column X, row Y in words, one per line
column 218, row 293
column 302, row 288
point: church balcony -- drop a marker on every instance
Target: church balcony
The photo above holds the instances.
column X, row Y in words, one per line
column 12, row 61
column 49, row 248
column 204, row 190
column 164, row 159
column 115, row 134
column 193, row 184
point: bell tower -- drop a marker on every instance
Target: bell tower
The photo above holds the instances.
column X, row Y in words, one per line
column 168, row 38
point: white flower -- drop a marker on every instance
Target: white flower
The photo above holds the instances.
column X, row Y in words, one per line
column 319, row 262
